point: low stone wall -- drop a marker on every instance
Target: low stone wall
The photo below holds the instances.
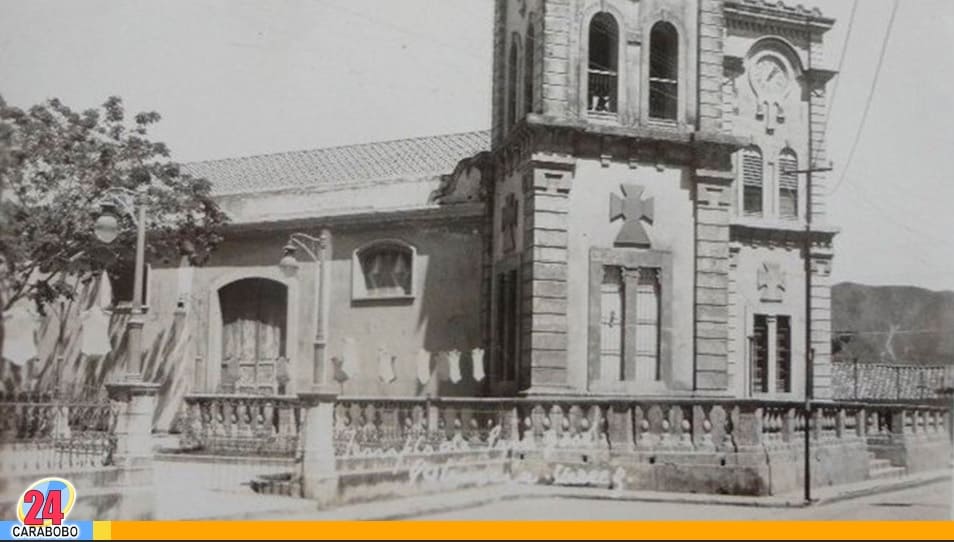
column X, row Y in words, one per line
column 399, row 447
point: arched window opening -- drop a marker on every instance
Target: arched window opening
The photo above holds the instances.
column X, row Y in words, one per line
column 752, row 181
column 384, row 269
column 512, row 86
column 604, row 64
column 788, row 184
column 528, row 70
column 663, row 72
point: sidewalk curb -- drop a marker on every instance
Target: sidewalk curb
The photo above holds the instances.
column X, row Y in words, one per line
column 901, row 483
column 501, row 494
column 754, row 502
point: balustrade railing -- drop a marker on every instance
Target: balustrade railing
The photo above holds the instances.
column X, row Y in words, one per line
column 376, row 427
column 242, row 424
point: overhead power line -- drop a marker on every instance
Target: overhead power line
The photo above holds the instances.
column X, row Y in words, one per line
column 841, row 62
column 874, row 84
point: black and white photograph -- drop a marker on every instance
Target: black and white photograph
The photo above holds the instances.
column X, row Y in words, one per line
column 497, row 260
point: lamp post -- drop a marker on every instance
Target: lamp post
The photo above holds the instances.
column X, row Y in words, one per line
column 107, row 230
column 318, row 248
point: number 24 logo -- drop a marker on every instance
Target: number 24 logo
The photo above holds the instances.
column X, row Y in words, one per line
column 51, row 507
column 46, row 502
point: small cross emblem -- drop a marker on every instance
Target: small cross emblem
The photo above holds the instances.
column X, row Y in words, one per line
column 771, row 282
column 508, row 222
column 633, row 209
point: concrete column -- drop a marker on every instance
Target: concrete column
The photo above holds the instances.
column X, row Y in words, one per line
column 319, row 471
column 133, row 431
column 821, row 323
column 713, row 197
column 544, row 274
column 711, row 25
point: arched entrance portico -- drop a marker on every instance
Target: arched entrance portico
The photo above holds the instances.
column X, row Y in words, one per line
column 252, row 335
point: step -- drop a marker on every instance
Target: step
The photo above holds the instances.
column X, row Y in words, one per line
column 875, row 464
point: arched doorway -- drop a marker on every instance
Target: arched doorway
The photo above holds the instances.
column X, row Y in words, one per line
column 254, row 336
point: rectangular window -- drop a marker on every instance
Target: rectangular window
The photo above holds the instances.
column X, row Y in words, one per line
column 647, row 324
column 759, row 356
column 508, row 320
column 611, row 325
column 122, row 281
column 752, row 182
column 788, row 186
column 783, row 356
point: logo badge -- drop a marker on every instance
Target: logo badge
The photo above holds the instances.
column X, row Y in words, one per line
column 42, row 512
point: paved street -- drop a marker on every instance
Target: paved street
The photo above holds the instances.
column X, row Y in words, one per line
column 929, row 502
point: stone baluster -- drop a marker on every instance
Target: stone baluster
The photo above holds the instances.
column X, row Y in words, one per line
column 748, row 431
column 701, row 428
column 621, row 431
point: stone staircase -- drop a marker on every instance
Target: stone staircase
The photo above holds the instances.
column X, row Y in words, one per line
column 882, row 468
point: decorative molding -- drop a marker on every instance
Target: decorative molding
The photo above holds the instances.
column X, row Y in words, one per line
column 633, row 210
column 771, row 282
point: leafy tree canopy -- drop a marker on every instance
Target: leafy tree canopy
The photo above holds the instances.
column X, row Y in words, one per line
column 56, row 167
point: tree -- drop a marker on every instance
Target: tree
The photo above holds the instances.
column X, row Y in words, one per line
column 55, row 164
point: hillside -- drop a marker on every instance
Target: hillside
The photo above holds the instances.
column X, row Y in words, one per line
column 894, row 324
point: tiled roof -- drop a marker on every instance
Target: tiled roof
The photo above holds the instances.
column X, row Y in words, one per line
column 404, row 158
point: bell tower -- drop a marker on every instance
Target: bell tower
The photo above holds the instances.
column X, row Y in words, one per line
column 610, row 198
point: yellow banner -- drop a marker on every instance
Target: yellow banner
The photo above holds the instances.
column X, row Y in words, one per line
column 523, row 530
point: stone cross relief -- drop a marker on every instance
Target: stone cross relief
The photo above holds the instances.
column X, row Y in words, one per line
column 508, row 222
column 771, row 282
column 633, row 210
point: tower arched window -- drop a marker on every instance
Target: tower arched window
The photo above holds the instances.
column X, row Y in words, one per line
column 752, row 181
column 663, row 72
column 603, row 78
column 788, row 184
column 528, row 70
column 512, row 84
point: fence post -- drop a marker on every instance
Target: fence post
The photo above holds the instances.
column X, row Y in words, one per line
column 319, row 473
column 133, row 448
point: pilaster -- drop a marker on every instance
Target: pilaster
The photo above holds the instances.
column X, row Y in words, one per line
column 712, row 279
column 544, row 272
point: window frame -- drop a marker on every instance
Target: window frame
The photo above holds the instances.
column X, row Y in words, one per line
column 359, row 290
column 672, row 84
column 631, row 260
column 783, row 156
column 125, row 305
column 615, row 73
column 746, row 185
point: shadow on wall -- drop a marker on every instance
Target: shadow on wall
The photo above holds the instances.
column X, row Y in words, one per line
column 450, row 312
column 82, row 376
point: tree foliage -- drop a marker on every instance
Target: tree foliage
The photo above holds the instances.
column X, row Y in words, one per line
column 56, row 167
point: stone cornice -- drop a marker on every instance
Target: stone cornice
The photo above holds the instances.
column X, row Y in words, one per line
column 767, row 14
column 779, row 231
column 656, row 143
column 459, row 213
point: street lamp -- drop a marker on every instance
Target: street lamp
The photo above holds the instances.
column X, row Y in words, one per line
column 106, row 229
column 318, row 248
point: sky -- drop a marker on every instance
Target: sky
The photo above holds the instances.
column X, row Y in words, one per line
column 241, row 77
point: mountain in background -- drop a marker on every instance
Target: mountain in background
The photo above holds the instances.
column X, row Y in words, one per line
column 892, row 324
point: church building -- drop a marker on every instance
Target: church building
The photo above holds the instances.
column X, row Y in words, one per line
column 635, row 223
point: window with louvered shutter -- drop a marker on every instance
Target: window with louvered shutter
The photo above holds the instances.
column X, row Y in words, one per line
column 788, row 185
column 752, row 181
